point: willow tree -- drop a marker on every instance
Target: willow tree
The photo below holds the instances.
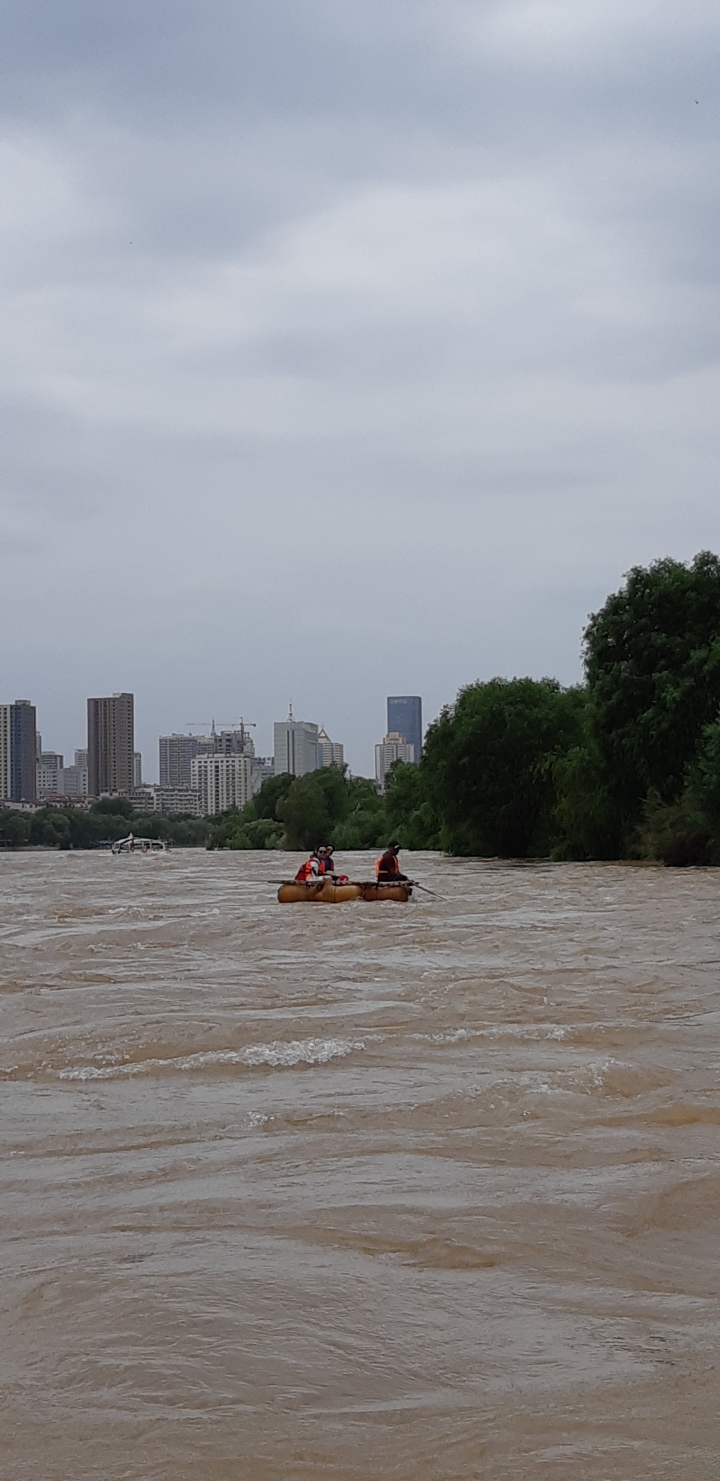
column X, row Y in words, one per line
column 490, row 761
column 652, row 657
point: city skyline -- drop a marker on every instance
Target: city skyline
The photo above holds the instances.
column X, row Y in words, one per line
column 66, row 735
column 168, row 762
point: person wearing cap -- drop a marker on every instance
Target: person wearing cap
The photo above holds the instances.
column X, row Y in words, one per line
column 387, row 868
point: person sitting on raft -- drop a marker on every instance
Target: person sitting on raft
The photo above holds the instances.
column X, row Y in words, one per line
column 310, row 869
column 387, row 868
column 329, row 864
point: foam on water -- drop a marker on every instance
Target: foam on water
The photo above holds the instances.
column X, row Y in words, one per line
column 276, row 1055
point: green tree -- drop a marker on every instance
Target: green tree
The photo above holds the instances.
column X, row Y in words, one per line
column 305, row 813
column 410, row 814
column 14, row 829
column 187, row 831
column 312, row 807
column 256, row 833
column 587, row 822
column 261, row 833
column 118, row 806
column 87, row 829
column 364, row 822
column 301, row 812
column 272, row 791
column 336, row 790
column 50, row 828
column 676, row 833
column 652, row 657
column 490, row 763
column 704, row 781
column 687, row 831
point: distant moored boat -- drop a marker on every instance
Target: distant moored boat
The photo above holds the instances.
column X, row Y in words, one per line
column 133, row 845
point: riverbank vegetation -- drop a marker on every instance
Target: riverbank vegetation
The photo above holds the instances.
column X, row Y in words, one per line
column 623, row 766
column 106, row 820
column 301, row 812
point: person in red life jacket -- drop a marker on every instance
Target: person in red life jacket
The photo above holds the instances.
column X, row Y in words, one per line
column 330, row 865
column 387, row 868
column 308, row 871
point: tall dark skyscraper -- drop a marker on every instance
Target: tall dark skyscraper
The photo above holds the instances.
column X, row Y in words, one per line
column 404, row 716
column 18, row 752
column 111, row 744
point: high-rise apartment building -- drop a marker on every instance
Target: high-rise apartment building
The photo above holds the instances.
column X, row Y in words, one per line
column 50, row 779
column 295, row 746
column 150, row 798
column 223, row 781
column 393, row 748
column 404, row 717
column 330, row 753
column 111, row 749
column 18, row 752
column 4, row 753
column 75, row 779
column 23, row 766
column 137, row 769
column 55, row 779
column 177, row 752
column 81, row 758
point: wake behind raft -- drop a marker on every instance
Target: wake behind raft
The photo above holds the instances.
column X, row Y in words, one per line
column 324, row 891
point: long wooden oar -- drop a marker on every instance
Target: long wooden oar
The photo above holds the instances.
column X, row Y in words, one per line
column 379, row 883
column 424, row 887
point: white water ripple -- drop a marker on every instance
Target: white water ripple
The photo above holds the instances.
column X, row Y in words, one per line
column 277, row 1054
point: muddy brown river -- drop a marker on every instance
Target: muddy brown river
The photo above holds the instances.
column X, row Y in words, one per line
column 426, row 1192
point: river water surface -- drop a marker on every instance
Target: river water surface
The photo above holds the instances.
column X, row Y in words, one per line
column 426, row 1192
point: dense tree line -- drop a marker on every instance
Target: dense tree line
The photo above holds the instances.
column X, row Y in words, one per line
column 626, row 765
column 106, row 820
column 301, row 812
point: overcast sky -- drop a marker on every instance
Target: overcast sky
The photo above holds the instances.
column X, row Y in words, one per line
column 347, row 348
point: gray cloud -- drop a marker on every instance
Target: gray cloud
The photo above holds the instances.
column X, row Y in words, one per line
column 346, row 349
